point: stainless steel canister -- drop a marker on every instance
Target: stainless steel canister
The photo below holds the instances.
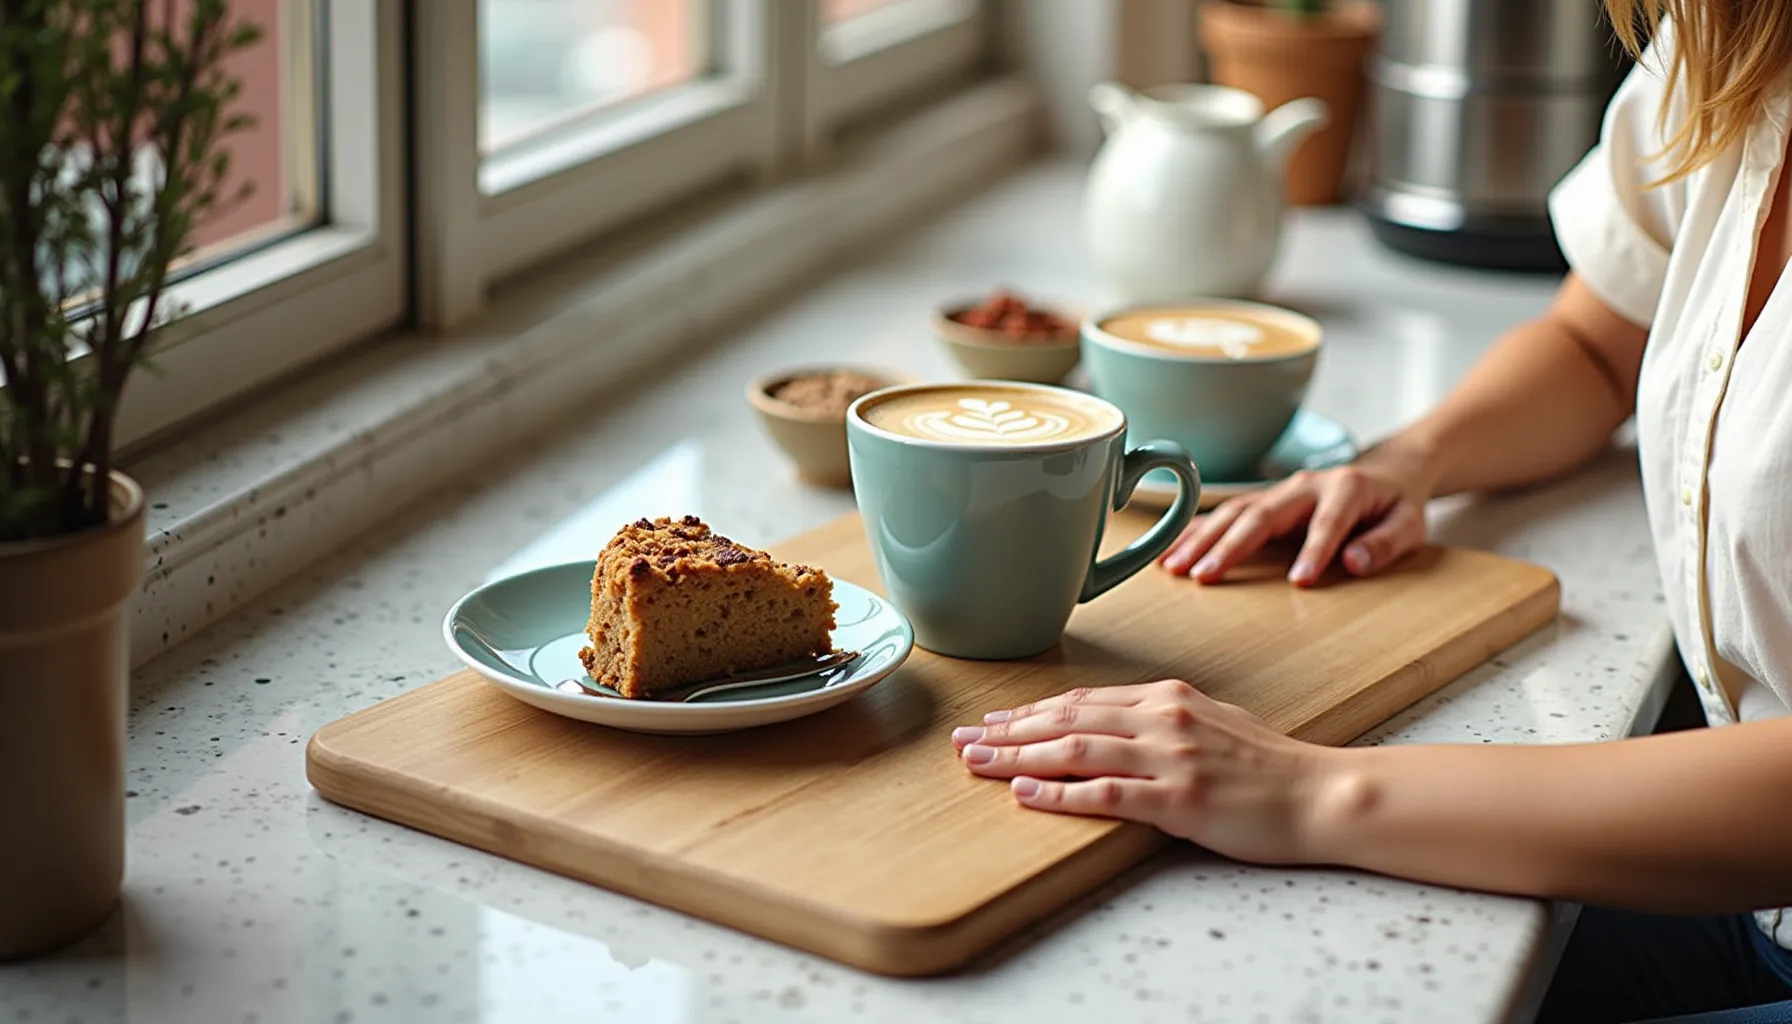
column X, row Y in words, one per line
column 1478, row 108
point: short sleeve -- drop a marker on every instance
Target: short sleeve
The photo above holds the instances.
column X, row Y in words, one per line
column 1614, row 229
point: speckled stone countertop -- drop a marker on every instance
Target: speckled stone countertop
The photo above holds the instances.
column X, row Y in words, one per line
column 250, row 899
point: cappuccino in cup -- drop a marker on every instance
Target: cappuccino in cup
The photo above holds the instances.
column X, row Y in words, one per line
column 984, row 505
column 991, row 415
column 1215, row 332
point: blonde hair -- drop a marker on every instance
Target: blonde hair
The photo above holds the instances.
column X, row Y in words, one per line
column 1728, row 56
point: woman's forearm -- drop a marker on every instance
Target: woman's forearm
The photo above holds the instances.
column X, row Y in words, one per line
column 1689, row 822
column 1545, row 398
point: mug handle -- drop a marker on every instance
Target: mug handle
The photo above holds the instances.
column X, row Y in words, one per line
column 1108, row 572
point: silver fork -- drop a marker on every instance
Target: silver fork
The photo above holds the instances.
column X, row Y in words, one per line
column 686, row 694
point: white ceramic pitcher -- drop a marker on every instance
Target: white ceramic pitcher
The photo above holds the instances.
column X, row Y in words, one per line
column 1185, row 196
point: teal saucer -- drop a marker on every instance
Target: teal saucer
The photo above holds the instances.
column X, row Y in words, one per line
column 1312, row 441
column 523, row 634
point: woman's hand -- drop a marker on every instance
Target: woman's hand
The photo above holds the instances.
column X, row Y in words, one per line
column 1161, row 753
column 1383, row 498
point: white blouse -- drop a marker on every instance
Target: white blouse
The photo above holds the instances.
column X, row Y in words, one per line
column 1714, row 416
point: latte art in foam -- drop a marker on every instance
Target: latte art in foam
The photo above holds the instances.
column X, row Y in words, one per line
column 990, row 416
column 1229, row 336
column 979, row 420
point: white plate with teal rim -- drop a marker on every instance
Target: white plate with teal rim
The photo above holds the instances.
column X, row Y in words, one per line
column 1312, row 441
column 524, row 633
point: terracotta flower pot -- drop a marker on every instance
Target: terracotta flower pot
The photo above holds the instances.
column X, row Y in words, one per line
column 1281, row 57
column 64, row 677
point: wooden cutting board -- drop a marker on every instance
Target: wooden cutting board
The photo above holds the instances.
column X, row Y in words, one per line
column 855, row 833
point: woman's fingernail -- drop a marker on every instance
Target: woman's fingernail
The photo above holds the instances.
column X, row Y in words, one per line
column 1356, row 558
column 997, row 716
column 977, row 754
column 1206, row 567
column 967, row 734
column 1301, row 573
column 1025, row 788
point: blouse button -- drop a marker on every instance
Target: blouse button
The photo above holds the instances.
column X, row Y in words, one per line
column 1686, row 496
column 1704, row 679
column 1717, row 360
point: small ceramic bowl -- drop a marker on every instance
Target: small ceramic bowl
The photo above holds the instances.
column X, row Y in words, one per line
column 815, row 441
column 992, row 355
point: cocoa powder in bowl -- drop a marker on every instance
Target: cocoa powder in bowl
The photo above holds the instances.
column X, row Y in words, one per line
column 825, row 394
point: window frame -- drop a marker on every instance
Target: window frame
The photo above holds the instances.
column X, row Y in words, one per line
column 258, row 316
column 408, row 232
column 779, row 101
column 477, row 224
column 880, row 58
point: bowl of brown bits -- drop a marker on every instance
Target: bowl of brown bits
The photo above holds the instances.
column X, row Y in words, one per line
column 804, row 411
column 1006, row 337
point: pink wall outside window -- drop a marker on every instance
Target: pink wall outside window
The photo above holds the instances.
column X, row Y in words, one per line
column 257, row 154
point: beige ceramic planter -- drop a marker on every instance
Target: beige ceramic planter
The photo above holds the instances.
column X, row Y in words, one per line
column 64, row 676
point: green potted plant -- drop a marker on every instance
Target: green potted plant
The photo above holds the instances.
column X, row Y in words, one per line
column 113, row 121
column 1285, row 49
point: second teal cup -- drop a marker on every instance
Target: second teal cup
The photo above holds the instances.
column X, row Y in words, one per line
column 985, row 504
column 1221, row 378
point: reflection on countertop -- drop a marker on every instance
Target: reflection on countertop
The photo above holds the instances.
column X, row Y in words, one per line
column 250, row 898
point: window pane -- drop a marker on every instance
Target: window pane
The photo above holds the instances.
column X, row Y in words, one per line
column 277, row 155
column 544, row 63
column 854, row 28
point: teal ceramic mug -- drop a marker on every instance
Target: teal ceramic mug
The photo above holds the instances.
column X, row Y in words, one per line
column 1222, row 378
column 985, row 503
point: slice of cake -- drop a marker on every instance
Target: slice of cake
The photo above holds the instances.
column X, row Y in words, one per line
column 673, row 603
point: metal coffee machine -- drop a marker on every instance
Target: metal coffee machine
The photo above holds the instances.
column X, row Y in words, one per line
column 1478, row 108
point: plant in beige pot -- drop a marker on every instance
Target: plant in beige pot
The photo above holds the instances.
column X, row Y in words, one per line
column 113, row 121
column 1282, row 50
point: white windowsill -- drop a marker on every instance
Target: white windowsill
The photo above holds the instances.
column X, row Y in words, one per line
column 257, row 272
column 242, row 502
column 251, row 282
